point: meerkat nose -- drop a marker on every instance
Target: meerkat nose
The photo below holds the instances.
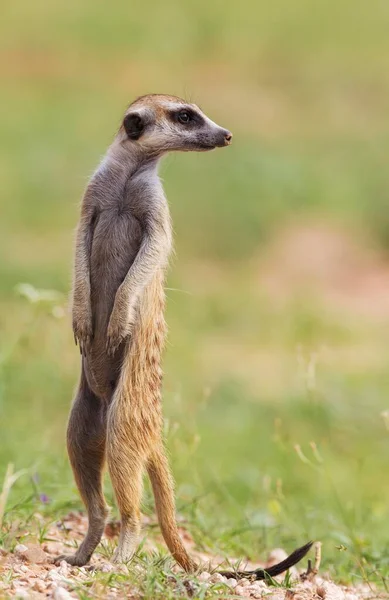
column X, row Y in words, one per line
column 228, row 137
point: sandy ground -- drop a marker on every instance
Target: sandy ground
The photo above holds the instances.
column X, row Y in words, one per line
column 29, row 572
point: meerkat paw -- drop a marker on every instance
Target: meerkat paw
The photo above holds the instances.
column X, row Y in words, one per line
column 72, row 559
column 83, row 333
column 123, row 555
column 83, row 341
column 117, row 332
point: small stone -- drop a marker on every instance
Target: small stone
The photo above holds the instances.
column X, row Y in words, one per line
column 107, row 568
column 255, row 590
column 242, row 591
column 231, row 582
column 21, row 594
column 244, row 582
column 330, row 591
column 53, row 575
column 63, row 568
column 217, row 578
column 24, row 569
column 59, row 593
column 204, row 576
column 278, row 595
column 33, row 553
column 39, row 586
column 19, row 548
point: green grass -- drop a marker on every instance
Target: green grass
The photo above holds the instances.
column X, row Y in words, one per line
column 304, row 89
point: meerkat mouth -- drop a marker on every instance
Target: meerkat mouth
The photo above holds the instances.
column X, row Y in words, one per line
column 207, row 146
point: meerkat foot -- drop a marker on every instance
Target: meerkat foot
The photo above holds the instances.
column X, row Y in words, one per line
column 128, row 543
column 75, row 560
column 123, row 555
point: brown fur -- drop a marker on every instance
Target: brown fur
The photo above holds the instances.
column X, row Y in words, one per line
column 136, row 419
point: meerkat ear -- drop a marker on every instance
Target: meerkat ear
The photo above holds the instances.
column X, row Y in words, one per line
column 133, row 125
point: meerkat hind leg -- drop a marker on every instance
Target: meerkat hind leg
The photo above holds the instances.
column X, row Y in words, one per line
column 86, row 437
column 126, row 466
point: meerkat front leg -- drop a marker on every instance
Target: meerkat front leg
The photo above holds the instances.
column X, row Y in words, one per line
column 82, row 309
column 152, row 255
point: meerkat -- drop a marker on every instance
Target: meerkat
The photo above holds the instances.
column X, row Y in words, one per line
column 123, row 242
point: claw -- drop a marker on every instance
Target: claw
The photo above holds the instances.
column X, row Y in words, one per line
column 112, row 346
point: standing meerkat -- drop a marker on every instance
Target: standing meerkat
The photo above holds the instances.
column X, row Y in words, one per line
column 124, row 239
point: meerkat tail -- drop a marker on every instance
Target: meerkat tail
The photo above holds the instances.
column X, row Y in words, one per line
column 163, row 488
column 275, row 570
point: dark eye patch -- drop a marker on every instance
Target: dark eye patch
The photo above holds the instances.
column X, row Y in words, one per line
column 186, row 117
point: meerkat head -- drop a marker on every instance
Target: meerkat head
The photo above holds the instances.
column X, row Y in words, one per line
column 157, row 124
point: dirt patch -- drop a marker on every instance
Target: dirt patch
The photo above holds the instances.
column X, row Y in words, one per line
column 29, row 572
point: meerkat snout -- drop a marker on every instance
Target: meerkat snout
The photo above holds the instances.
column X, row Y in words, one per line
column 225, row 138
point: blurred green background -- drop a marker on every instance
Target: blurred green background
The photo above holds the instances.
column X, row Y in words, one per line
column 277, row 365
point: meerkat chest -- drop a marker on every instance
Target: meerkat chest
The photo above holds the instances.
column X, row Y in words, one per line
column 116, row 241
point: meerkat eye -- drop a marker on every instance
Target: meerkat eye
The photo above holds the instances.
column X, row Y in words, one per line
column 184, row 117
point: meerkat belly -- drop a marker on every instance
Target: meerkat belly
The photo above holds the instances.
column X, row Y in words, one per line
column 116, row 242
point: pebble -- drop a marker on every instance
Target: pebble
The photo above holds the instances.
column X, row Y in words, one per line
column 204, row 576
column 231, row 582
column 255, row 590
column 63, row 568
column 32, row 553
column 278, row 595
column 39, row 586
column 59, row 593
column 21, row 594
column 106, row 568
column 217, row 578
column 242, row 591
column 54, row 575
column 330, row 591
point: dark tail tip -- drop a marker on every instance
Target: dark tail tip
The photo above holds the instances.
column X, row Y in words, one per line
column 275, row 570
